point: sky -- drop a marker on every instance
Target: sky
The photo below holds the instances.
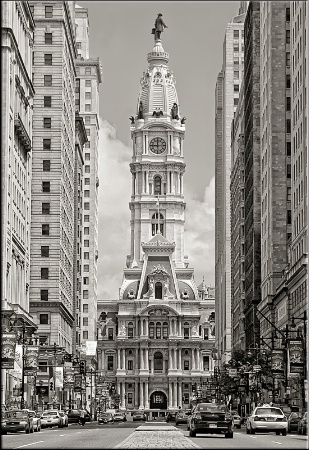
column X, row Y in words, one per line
column 120, row 35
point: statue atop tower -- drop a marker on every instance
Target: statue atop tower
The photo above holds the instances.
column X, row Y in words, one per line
column 158, row 27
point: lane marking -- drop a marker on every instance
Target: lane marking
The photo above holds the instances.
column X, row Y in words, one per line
column 275, row 442
column 26, row 445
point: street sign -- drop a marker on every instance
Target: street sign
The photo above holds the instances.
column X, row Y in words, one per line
column 256, row 368
column 232, row 372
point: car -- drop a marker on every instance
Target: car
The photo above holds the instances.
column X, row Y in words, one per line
column 73, row 415
column 181, row 417
column 267, row 418
column 16, row 420
column 137, row 416
column 211, row 418
column 302, row 424
column 236, row 419
column 171, row 416
column 119, row 417
column 105, row 418
column 65, row 419
column 293, row 420
column 51, row 418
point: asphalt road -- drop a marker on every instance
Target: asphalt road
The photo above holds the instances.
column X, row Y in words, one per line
column 108, row 436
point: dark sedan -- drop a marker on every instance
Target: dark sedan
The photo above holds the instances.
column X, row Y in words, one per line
column 105, row 418
column 171, row 416
column 74, row 415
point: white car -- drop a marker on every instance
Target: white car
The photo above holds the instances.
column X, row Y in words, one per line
column 51, row 418
column 267, row 418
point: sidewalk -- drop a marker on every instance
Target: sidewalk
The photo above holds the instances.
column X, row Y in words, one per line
column 156, row 436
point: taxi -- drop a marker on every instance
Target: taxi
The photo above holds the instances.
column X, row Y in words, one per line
column 267, row 418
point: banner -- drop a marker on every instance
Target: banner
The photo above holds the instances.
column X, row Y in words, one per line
column 91, row 348
column 68, row 376
column 296, row 355
column 277, row 361
column 59, row 377
column 31, row 360
column 78, row 382
column 8, row 346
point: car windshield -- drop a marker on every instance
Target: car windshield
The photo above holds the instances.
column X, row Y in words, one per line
column 51, row 413
column 16, row 415
column 267, row 411
column 210, row 407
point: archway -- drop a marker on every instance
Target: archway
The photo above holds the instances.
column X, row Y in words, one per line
column 158, row 400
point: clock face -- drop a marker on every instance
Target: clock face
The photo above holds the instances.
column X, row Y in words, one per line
column 157, row 145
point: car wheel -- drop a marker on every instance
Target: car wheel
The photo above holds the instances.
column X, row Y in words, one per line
column 39, row 429
column 229, row 435
column 252, row 431
column 283, row 432
column 192, row 433
column 32, row 430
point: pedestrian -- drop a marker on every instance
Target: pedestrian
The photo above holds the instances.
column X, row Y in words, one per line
column 82, row 418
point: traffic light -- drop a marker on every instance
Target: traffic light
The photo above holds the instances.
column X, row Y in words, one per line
column 216, row 372
column 82, row 367
column 112, row 388
column 194, row 387
column 51, row 385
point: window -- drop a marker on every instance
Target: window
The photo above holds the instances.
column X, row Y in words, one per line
column 86, row 218
column 157, row 185
column 287, row 14
column 86, row 230
column 87, row 120
column 48, row 38
column 47, row 122
column 87, row 169
column 236, row 101
column 158, row 329
column 85, row 334
column 236, row 34
column 48, row 79
column 44, row 251
column 158, row 362
column 44, row 295
column 288, row 194
column 236, row 87
column 86, row 206
column 47, row 101
column 85, row 308
column 287, row 36
column 130, row 397
column 236, row 47
column 85, row 321
column 87, row 156
column 110, row 334
column 288, row 103
column 45, row 186
column 87, row 193
column 46, row 144
column 87, row 144
column 205, row 362
column 87, row 181
column 186, row 365
column 86, row 280
column 78, row 45
column 31, row 9
column 288, row 170
column 130, row 364
column 48, row 59
column 110, row 362
column 43, row 319
column 130, row 330
column 151, row 330
column 86, row 255
column 86, row 267
column 157, row 225
column 289, row 217
column 186, row 330
column 236, row 74
column 88, row 95
column 206, row 334
column 288, row 59
column 46, row 165
column 88, row 71
column 86, row 243
column 45, row 208
column 45, row 229
column 288, row 125
column 85, row 294
column 48, row 12
column 87, row 107
column 42, row 365
column 44, row 273
column 88, row 83
column 288, row 148
column 288, row 82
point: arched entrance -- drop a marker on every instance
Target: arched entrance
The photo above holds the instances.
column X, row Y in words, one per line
column 158, row 400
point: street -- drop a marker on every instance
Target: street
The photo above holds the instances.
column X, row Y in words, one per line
column 110, row 436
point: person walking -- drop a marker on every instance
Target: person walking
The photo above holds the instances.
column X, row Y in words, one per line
column 82, row 418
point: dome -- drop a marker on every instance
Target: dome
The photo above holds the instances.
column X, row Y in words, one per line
column 158, row 92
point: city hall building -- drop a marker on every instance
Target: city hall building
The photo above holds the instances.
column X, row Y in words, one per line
column 156, row 341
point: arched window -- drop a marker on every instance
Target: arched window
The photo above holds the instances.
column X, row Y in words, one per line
column 156, row 224
column 165, row 330
column 157, row 185
column 151, row 330
column 130, row 330
column 158, row 290
column 158, row 330
column 158, row 362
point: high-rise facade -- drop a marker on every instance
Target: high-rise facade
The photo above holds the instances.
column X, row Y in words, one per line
column 89, row 77
column 227, row 95
column 17, row 92
column 156, row 339
column 52, row 209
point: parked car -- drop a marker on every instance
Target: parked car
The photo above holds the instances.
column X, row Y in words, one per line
column 119, row 417
column 74, row 415
column 105, row 418
column 293, row 420
column 16, row 420
column 171, row 416
column 51, row 418
column 302, row 424
column 236, row 419
column 65, row 419
column 267, row 418
column 138, row 416
column 211, row 418
column 181, row 417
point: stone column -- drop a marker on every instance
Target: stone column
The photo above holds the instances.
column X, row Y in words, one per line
column 175, row 395
column 170, row 358
column 147, row 183
column 123, row 358
column 146, row 395
column 193, row 359
column 119, row 360
column 179, row 358
column 170, row 395
column 179, row 403
column 136, row 359
column 198, row 359
column 179, row 327
column 136, row 394
column 147, row 359
column 141, row 394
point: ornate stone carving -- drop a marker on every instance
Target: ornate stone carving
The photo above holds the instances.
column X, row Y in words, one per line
column 131, row 294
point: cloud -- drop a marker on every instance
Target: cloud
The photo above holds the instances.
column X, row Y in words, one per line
column 114, row 218
column 200, row 233
column 114, row 214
